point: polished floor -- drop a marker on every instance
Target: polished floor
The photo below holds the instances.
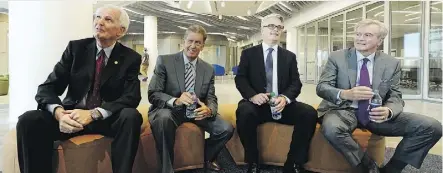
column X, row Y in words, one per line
column 227, row 93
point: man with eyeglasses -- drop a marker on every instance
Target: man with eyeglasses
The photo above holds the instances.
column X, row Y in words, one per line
column 175, row 78
column 264, row 69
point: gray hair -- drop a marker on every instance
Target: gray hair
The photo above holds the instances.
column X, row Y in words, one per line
column 383, row 30
column 198, row 30
column 278, row 16
column 124, row 18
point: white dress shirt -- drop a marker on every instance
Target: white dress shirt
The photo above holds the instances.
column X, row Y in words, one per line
column 185, row 61
column 82, row 104
column 274, row 67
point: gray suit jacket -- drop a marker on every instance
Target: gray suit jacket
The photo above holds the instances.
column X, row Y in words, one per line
column 168, row 81
column 340, row 73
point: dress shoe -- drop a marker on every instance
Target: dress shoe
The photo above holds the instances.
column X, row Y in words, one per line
column 253, row 168
column 211, row 167
column 294, row 169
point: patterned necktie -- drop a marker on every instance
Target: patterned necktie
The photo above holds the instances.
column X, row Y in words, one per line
column 189, row 77
column 94, row 99
column 363, row 113
column 268, row 67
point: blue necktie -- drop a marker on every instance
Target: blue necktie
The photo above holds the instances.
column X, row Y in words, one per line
column 363, row 113
column 268, row 67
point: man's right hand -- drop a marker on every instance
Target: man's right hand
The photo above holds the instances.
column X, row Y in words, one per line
column 185, row 99
column 66, row 123
column 357, row 93
column 260, row 98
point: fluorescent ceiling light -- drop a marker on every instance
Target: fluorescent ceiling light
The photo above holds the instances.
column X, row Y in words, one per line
column 207, row 24
column 242, row 18
column 133, row 11
column 181, row 27
column 215, row 33
column 167, row 32
column 381, row 12
column 137, row 21
column 135, row 33
column 411, row 7
column 375, row 8
column 231, row 33
column 412, row 19
column 222, row 4
column 179, row 13
column 244, row 27
column 284, row 5
column 412, row 14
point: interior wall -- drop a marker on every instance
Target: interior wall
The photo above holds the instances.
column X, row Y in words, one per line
column 4, row 27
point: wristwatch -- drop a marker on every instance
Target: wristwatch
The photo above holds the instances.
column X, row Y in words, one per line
column 96, row 115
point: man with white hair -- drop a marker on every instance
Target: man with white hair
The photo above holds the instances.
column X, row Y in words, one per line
column 103, row 93
column 264, row 69
column 348, row 82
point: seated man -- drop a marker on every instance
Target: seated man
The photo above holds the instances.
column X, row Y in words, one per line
column 347, row 83
column 267, row 68
column 102, row 97
column 175, row 77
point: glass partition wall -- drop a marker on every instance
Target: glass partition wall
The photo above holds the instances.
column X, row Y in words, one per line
column 415, row 38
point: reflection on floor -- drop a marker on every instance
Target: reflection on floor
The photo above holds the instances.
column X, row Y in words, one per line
column 227, row 93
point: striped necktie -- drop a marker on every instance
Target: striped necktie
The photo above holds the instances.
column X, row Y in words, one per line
column 189, row 77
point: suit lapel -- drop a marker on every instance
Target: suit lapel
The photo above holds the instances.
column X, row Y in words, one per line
column 352, row 66
column 281, row 65
column 113, row 65
column 260, row 62
column 378, row 69
column 180, row 70
column 199, row 76
column 91, row 51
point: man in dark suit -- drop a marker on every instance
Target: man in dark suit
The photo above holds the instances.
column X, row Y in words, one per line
column 269, row 68
column 175, row 77
column 103, row 93
column 346, row 85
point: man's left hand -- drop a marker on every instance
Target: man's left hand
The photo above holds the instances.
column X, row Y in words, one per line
column 281, row 103
column 81, row 116
column 202, row 112
column 379, row 114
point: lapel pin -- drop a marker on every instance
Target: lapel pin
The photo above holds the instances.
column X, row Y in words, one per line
column 115, row 62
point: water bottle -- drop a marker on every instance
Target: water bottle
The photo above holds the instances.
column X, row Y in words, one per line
column 376, row 101
column 275, row 115
column 190, row 108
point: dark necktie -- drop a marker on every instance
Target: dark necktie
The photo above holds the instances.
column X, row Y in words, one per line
column 268, row 67
column 94, row 99
column 363, row 113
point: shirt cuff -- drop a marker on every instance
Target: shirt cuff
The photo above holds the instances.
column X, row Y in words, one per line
column 390, row 115
column 51, row 107
column 171, row 102
column 288, row 101
column 339, row 100
column 104, row 113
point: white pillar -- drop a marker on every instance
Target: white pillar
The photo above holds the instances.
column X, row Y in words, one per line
column 39, row 32
column 150, row 42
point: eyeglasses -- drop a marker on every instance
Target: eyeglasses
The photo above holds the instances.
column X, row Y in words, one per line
column 272, row 27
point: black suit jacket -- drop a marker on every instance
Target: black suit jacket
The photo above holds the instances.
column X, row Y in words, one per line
column 251, row 76
column 119, row 85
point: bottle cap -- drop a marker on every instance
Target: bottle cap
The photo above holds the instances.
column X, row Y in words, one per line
column 272, row 94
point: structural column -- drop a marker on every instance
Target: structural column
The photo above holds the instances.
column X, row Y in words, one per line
column 39, row 32
column 150, row 42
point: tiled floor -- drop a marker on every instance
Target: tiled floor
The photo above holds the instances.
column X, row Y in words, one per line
column 227, row 93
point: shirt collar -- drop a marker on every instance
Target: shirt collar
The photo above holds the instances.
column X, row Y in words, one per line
column 107, row 50
column 266, row 47
column 360, row 56
column 186, row 60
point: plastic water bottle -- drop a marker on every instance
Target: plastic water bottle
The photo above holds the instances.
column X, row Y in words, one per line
column 275, row 115
column 376, row 101
column 190, row 108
